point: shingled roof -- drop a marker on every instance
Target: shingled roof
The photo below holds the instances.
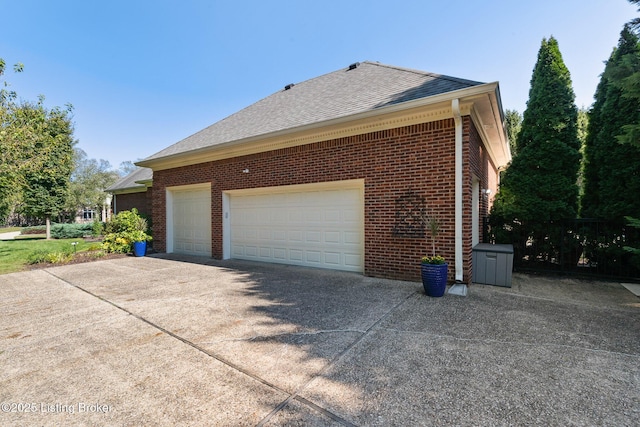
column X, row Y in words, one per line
column 358, row 88
column 132, row 181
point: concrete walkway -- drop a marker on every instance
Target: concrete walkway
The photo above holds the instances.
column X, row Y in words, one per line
column 156, row 341
column 9, row 236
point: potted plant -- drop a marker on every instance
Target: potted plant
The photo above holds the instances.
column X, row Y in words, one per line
column 139, row 237
column 139, row 241
column 434, row 268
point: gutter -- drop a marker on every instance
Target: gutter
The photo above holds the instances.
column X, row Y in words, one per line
column 455, row 108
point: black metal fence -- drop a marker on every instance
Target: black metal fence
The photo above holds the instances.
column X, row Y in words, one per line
column 584, row 247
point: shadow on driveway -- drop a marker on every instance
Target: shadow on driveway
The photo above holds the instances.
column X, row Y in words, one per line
column 171, row 340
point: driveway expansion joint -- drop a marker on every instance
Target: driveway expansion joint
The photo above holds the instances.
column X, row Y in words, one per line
column 230, row 364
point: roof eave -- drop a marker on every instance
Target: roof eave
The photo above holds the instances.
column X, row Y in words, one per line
column 311, row 132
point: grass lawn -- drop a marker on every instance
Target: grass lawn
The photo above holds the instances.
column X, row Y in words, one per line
column 14, row 254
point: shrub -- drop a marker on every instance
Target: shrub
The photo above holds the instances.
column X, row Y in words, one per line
column 94, row 247
column 58, row 257
column 97, row 254
column 37, row 257
column 125, row 228
column 41, row 256
column 97, row 228
column 71, row 231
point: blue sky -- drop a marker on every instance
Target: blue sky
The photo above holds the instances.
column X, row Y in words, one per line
column 144, row 74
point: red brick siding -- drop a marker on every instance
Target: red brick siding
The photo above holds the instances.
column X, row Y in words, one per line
column 141, row 201
column 418, row 158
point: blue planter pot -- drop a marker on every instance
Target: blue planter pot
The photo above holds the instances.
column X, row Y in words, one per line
column 434, row 279
column 139, row 248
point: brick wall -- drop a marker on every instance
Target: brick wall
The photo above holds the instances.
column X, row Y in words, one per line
column 141, row 201
column 417, row 159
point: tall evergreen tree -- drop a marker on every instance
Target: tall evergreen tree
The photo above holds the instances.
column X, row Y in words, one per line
column 612, row 167
column 541, row 182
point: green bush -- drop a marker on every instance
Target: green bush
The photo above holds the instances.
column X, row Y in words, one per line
column 62, row 231
column 71, row 231
column 36, row 257
column 97, row 228
column 126, row 228
column 41, row 256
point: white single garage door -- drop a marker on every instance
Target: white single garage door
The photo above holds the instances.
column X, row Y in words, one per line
column 317, row 225
column 190, row 209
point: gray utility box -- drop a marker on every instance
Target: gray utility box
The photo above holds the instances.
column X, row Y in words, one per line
column 492, row 264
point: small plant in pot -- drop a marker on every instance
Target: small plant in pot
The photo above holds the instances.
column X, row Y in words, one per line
column 434, row 268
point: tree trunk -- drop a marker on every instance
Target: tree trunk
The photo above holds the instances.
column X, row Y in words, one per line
column 48, row 228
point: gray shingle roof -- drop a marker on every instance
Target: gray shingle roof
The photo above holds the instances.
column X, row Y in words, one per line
column 340, row 93
column 130, row 181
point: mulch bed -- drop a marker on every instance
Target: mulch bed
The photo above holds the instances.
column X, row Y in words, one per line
column 78, row 258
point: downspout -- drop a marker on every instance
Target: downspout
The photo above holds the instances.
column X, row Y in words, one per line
column 455, row 108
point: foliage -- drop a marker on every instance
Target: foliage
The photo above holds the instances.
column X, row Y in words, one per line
column 635, row 223
column 513, row 124
column 611, row 170
column 625, row 75
column 62, row 231
column 35, row 154
column 583, row 131
column 55, row 257
column 89, row 179
column 46, row 188
column 433, row 223
column 126, row 228
column 71, row 231
column 436, row 259
column 97, row 228
column 14, row 254
column 541, row 182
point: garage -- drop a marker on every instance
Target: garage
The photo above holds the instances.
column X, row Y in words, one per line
column 189, row 220
column 317, row 225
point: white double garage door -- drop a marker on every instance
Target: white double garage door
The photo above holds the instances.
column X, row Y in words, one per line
column 317, row 225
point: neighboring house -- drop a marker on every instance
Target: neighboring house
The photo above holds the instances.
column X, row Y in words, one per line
column 133, row 191
column 336, row 172
column 86, row 215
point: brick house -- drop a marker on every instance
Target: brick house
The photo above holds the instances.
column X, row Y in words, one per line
column 133, row 191
column 336, row 172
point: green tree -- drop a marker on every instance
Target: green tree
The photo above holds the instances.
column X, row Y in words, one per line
column 50, row 133
column 12, row 161
column 625, row 75
column 513, row 124
column 612, row 168
column 36, row 146
column 541, row 182
column 89, row 179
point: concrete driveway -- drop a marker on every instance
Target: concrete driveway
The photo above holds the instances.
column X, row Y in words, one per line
column 159, row 341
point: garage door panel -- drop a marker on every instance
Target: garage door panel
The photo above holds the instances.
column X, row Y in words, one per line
column 192, row 221
column 321, row 228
